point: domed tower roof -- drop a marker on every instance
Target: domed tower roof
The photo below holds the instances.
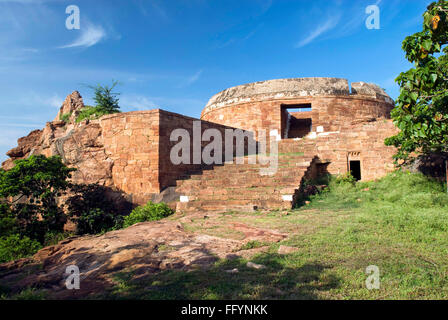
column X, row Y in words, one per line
column 291, row 88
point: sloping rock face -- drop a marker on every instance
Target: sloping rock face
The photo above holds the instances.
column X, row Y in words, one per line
column 72, row 106
column 147, row 248
column 79, row 145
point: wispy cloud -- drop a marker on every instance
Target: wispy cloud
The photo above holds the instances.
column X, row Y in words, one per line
column 321, row 29
column 192, row 79
column 239, row 40
column 90, row 36
column 138, row 102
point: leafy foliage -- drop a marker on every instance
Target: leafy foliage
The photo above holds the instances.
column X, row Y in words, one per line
column 149, row 212
column 91, row 210
column 96, row 221
column 421, row 111
column 30, row 190
column 15, row 247
column 344, row 178
column 106, row 102
column 65, row 117
column 8, row 222
column 88, row 113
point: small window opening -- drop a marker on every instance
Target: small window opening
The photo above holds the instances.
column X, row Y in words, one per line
column 355, row 169
column 296, row 120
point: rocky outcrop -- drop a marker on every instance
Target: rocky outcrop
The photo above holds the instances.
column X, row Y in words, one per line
column 71, row 106
column 147, row 248
column 80, row 145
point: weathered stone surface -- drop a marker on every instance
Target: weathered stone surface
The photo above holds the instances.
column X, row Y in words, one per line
column 26, row 146
column 280, row 88
column 148, row 247
column 72, row 105
column 131, row 152
column 370, row 89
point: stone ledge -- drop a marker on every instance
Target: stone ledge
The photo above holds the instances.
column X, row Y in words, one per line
column 280, row 88
column 294, row 88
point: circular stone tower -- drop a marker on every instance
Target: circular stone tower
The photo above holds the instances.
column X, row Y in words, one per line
column 297, row 107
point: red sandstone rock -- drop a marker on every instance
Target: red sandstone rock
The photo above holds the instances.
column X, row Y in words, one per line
column 72, row 105
column 148, row 248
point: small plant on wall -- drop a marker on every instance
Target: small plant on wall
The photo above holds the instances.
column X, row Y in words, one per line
column 106, row 101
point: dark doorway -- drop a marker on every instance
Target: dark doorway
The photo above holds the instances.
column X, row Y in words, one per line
column 355, row 169
column 296, row 120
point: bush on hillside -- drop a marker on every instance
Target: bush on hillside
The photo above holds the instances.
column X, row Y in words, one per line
column 14, row 247
column 149, row 212
column 96, row 221
column 92, row 210
column 30, row 191
column 106, row 103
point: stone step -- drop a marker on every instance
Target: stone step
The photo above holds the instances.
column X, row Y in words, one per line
column 240, row 183
column 240, row 187
column 232, row 205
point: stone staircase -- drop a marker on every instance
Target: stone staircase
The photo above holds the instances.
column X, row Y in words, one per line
column 241, row 187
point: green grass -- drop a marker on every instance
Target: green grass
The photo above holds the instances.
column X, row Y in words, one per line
column 253, row 245
column 65, row 117
column 26, row 294
column 398, row 223
column 90, row 113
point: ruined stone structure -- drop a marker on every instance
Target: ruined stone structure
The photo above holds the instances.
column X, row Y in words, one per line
column 321, row 126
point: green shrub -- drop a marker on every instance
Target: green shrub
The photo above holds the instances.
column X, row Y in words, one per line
column 38, row 182
column 346, row 178
column 15, row 247
column 65, row 117
column 97, row 221
column 53, row 238
column 95, row 202
column 106, row 100
column 8, row 223
column 106, row 103
column 149, row 212
column 89, row 113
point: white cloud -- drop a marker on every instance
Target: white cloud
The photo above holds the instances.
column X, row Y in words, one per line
column 328, row 25
column 90, row 36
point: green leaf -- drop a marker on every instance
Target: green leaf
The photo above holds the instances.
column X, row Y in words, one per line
column 414, row 96
column 433, row 77
column 427, row 45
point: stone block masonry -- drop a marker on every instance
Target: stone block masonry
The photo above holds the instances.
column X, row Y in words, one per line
column 325, row 127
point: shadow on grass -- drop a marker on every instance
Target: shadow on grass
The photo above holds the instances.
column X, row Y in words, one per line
column 276, row 281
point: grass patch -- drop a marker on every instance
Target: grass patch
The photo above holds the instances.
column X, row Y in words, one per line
column 90, row 113
column 65, row 117
column 253, row 245
column 398, row 223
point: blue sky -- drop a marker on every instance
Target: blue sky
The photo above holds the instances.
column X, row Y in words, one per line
column 176, row 54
